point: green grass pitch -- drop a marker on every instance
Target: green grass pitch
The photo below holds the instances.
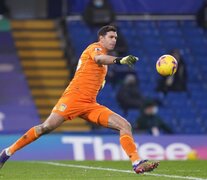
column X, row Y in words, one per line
column 82, row 170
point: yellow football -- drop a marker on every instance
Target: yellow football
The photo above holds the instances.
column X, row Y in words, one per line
column 166, row 65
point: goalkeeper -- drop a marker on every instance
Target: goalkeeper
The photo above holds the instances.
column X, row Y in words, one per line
column 79, row 99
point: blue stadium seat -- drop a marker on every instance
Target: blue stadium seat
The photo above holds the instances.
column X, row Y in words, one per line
column 167, row 24
column 189, row 23
column 190, row 32
column 145, row 24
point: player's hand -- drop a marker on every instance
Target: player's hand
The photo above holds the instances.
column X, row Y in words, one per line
column 128, row 60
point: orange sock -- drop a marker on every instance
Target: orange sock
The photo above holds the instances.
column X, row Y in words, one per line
column 127, row 143
column 27, row 138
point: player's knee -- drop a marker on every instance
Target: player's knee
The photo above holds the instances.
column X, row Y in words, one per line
column 127, row 127
column 43, row 129
column 47, row 128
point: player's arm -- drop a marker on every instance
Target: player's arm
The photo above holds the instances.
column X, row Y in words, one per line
column 104, row 59
column 107, row 60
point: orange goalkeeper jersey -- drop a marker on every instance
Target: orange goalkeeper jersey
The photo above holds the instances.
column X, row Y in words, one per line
column 89, row 75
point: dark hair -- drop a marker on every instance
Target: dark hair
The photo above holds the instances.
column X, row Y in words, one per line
column 103, row 30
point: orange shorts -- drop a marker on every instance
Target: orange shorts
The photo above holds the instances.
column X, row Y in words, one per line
column 70, row 107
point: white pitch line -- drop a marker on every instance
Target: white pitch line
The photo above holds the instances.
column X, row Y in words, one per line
column 115, row 170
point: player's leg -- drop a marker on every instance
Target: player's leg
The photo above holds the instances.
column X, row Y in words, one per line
column 127, row 142
column 126, row 139
column 105, row 117
column 52, row 122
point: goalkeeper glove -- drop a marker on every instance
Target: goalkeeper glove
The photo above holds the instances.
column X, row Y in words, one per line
column 129, row 60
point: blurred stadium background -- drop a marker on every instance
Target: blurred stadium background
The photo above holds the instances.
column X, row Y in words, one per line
column 41, row 39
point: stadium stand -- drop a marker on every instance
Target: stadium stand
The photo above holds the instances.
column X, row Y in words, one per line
column 149, row 39
column 16, row 101
column 39, row 43
column 40, row 48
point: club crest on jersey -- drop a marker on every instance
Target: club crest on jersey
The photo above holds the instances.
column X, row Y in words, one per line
column 98, row 49
column 62, row 107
